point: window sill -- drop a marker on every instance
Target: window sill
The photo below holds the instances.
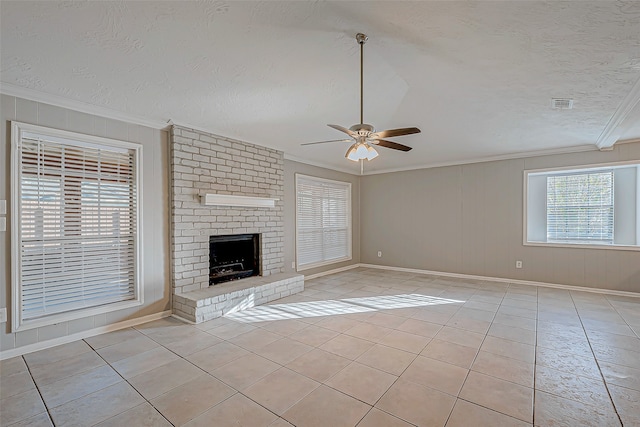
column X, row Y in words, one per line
column 584, row 246
column 73, row 315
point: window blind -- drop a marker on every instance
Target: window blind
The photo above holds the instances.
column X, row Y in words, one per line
column 78, row 205
column 580, row 207
column 323, row 221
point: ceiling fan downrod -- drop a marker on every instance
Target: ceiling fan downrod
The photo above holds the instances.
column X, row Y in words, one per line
column 363, row 135
column 361, row 39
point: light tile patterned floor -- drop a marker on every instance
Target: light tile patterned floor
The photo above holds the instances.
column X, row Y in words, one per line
column 364, row 347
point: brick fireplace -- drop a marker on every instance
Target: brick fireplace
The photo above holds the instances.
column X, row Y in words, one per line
column 203, row 163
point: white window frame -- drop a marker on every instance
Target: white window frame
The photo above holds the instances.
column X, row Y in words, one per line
column 580, row 168
column 349, row 224
column 18, row 323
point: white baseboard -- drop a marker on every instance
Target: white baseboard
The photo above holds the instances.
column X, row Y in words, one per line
column 182, row 319
column 504, row 280
column 133, row 322
column 335, row 270
column 81, row 335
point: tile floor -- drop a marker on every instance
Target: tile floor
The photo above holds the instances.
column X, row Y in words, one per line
column 364, row 347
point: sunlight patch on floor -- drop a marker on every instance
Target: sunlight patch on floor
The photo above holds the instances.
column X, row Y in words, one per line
column 298, row 310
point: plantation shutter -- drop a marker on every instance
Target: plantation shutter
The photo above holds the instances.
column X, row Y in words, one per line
column 323, row 221
column 78, row 205
column 580, row 207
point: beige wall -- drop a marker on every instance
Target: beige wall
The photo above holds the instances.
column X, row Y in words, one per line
column 155, row 213
column 468, row 219
column 290, row 169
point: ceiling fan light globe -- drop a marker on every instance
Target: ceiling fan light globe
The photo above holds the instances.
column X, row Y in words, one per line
column 371, row 153
column 361, row 151
column 351, row 153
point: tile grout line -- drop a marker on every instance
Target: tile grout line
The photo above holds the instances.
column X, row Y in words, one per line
column 604, row 382
column 206, row 373
column 473, row 361
column 535, row 358
column 462, row 287
column 125, row 380
column 396, row 380
column 46, row 407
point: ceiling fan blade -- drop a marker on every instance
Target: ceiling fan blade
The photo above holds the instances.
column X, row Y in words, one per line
column 344, row 129
column 391, row 144
column 394, row 132
column 324, row 142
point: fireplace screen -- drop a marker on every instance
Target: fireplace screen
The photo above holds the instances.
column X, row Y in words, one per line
column 233, row 257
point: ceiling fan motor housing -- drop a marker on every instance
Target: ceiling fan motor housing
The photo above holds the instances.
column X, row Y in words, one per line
column 362, row 129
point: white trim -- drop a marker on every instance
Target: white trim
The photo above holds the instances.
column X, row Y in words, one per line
column 182, row 319
column 328, row 272
column 80, row 140
column 578, row 168
column 244, row 201
column 583, row 168
column 506, row 280
column 525, row 198
column 628, row 141
column 322, row 263
column 19, row 326
column 320, row 165
column 217, row 135
column 82, row 335
column 583, row 246
column 73, row 104
column 73, row 138
column 612, row 131
column 521, row 155
column 349, row 256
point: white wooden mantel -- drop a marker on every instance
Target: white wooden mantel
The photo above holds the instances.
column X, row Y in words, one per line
column 245, row 201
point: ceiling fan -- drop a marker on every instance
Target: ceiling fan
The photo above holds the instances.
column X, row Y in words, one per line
column 364, row 135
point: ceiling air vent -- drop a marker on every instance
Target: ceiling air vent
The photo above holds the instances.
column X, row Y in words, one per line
column 561, row 103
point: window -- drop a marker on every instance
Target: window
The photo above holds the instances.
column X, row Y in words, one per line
column 75, row 225
column 323, row 221
column 587, row 206
column 580, row 207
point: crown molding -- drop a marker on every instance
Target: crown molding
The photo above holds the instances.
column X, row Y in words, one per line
column 319, row 164
column 606, row 137
column 612, row 131
column 73, row 104
column 521, row 155
column 628, row 141
column 230, row 138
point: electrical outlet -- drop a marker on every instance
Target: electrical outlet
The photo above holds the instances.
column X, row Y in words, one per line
column 518, row 264
column 293, row 265
column 3, row 224
column 3, row 315
column 379, row 254
column 3, row 207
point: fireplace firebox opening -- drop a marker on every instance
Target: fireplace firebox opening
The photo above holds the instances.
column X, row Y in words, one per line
column 233, row 257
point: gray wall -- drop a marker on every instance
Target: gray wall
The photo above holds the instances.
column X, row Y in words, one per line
column 468, row 219
column 155, row 213
column 290, row 169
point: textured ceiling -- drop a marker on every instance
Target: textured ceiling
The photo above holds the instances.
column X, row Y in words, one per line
column 476, row 77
